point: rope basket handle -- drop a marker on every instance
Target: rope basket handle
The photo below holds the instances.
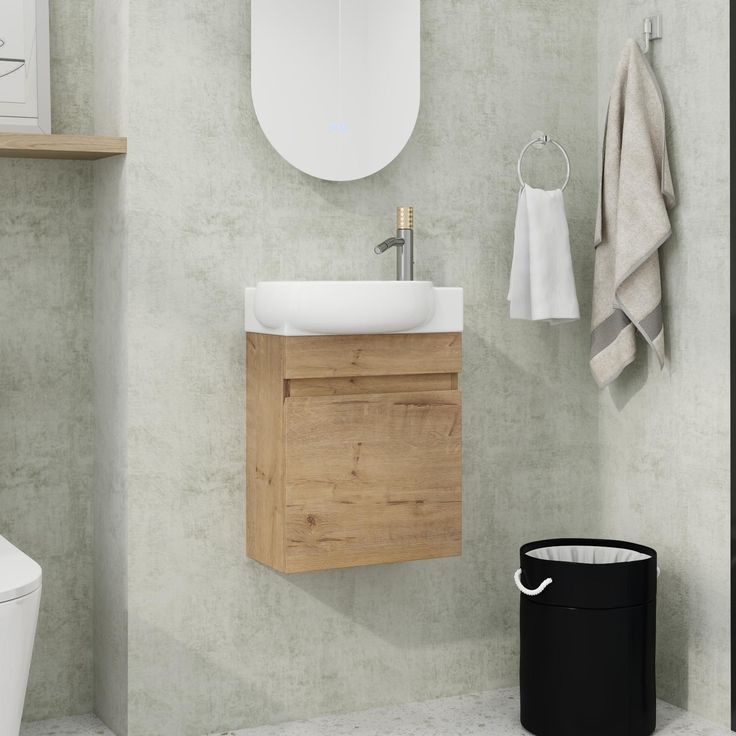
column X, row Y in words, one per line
column 528, row 591
column 547, row 581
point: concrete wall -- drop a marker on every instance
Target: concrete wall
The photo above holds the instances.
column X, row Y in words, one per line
column 111, row 371
column 46, row 376
column 216, row 640
column 665, row 443
column 137, row 267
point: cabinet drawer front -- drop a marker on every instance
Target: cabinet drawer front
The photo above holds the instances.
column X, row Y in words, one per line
column 372, row 478
column 372, row 355
column 345, row 385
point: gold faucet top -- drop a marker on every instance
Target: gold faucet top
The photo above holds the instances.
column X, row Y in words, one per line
column 404, row 218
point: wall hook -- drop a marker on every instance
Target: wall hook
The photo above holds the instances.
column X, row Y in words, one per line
column 652, row 30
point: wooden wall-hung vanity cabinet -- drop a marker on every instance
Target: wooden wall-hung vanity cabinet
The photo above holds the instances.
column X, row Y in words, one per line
column 353, row 449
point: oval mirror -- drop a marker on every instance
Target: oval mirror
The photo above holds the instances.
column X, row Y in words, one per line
column 335, row 83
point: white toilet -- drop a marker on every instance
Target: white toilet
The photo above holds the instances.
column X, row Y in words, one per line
column 20, row 594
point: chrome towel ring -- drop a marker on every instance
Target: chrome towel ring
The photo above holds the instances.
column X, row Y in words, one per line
column 543, row 140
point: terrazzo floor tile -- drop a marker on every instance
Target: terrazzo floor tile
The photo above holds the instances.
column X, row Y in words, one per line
column 492, row 713
column 88, row 725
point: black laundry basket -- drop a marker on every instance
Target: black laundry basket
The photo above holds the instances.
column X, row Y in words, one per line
column 588, row 609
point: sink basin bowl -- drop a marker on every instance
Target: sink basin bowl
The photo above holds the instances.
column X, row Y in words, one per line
column 351, row 307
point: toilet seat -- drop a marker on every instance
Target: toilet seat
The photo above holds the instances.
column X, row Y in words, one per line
column 19, row 574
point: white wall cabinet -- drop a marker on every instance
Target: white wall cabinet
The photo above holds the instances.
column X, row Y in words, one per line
column 25, row 105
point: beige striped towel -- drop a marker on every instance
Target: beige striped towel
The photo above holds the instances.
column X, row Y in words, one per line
column 633, row 221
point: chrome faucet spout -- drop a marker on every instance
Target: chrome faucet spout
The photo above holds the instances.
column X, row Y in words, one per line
column 388, row 243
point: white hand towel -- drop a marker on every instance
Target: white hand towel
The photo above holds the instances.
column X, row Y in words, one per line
column 542, row 284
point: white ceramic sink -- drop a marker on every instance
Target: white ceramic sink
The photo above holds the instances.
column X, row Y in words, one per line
column 352, row 307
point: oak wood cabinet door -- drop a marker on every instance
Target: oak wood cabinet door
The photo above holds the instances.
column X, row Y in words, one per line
column 372, row 478
column 353, row 449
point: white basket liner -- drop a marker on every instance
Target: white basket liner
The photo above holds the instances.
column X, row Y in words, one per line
column 588, row 554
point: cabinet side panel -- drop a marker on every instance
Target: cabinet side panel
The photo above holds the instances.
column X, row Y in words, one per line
column 372, row 355
column 264, row 463
column 372, row 478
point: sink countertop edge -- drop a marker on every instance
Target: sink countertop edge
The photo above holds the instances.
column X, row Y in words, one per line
column 448, row 316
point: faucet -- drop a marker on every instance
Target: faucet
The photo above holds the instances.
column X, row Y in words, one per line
column 403, row 242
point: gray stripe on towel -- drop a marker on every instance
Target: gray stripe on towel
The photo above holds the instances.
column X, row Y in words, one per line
column 607, row 331
column 652, row 323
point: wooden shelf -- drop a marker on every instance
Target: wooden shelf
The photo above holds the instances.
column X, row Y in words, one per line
column 84, row 147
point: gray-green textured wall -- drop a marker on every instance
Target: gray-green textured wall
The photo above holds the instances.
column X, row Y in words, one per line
column 217, row 640
column 665, row 443
column 110, row 341
column 46, row 376
column 133, row 271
